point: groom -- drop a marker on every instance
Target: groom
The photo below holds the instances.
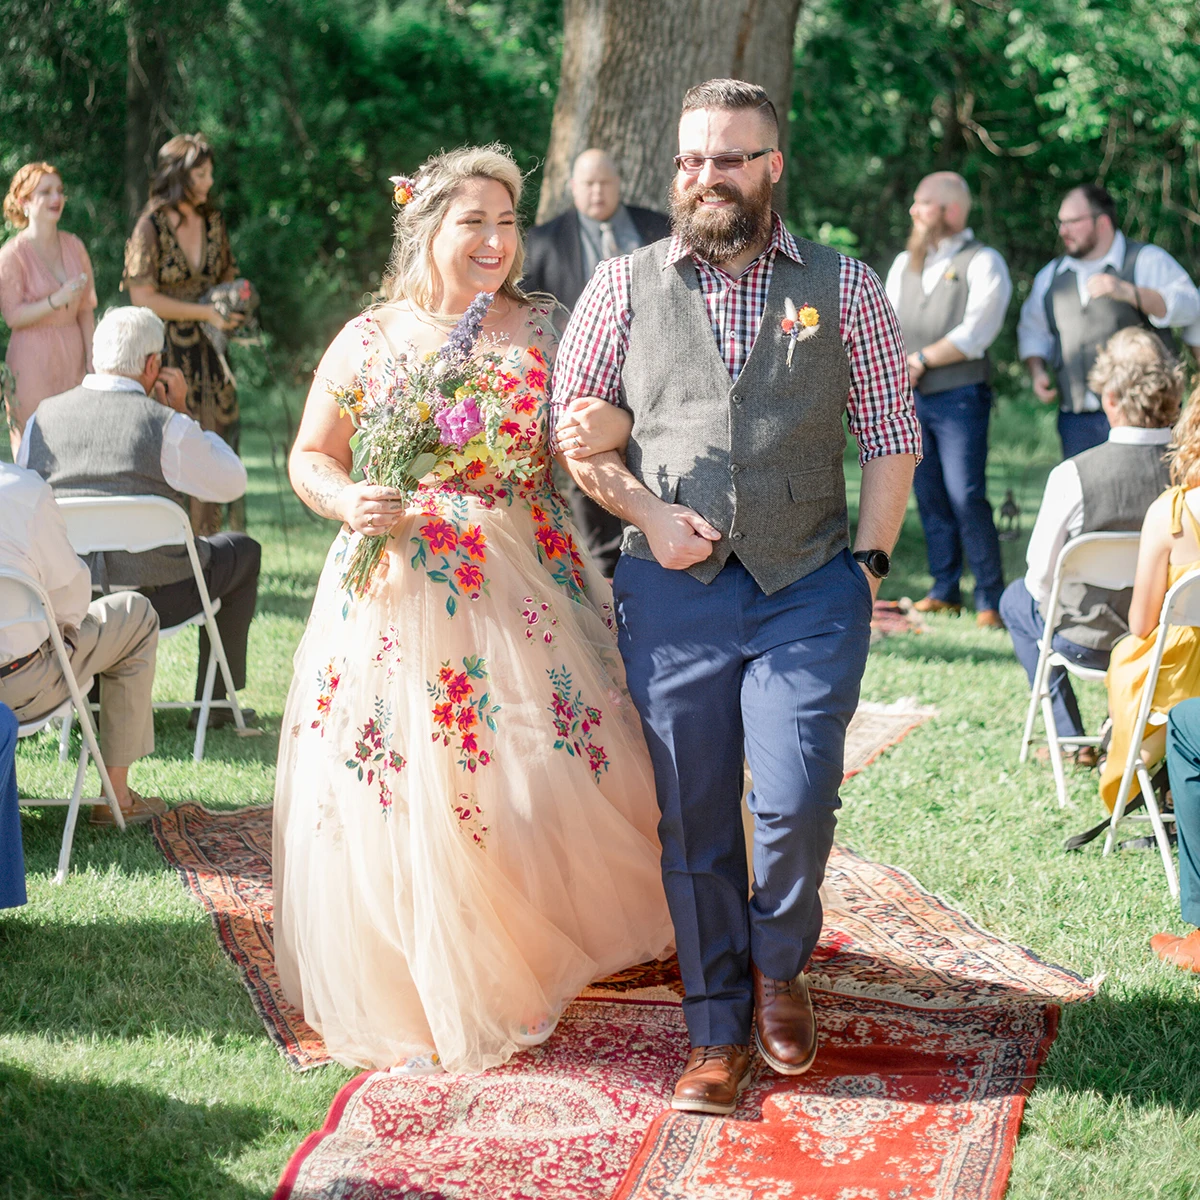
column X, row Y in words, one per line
column 743, row 617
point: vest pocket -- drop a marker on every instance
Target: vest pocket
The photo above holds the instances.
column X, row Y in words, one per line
column 815, row 484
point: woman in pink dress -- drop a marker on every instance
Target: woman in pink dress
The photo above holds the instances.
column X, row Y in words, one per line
column 47, row 295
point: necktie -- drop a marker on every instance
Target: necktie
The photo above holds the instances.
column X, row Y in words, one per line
column 608, row 241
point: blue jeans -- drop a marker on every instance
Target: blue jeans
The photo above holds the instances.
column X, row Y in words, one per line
column 951, row 489
column 1025, row 624
column 1081, row 431
column 12, row 859
column 1183, row 767
column 719, row 671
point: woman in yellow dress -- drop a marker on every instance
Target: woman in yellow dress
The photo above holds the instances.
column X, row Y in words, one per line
column 1169, row 548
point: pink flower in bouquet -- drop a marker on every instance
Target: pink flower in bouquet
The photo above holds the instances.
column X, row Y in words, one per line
column 459, row 423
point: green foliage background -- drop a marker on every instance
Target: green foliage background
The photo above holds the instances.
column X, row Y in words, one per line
column 311, row 104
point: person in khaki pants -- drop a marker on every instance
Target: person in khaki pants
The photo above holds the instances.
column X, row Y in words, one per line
column 113, row 638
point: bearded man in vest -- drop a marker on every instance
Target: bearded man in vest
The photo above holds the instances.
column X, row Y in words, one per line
column 1104, row 282
column 1108, row 487
column 125, row 432
column 951, row 292
column 731, row 351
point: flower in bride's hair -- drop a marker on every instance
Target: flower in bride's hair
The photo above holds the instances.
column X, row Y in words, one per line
column 403, row 188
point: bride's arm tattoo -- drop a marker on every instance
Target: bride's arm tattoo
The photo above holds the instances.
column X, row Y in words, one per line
column 319, row 484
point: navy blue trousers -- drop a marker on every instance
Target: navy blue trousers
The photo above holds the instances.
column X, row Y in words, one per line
column 1081, row 431
column 950, row 485
column 1183, row 767
column 1024, row 622
column 720, row 671
column 12, row 858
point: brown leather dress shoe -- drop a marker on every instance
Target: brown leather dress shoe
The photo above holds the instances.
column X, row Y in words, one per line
column 785, row 1030
column 712, row 1080
column 1181, row 952
column 931, row 604
column 989, row 618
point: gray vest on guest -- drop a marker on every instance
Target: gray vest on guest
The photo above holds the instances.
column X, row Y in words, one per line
column 1119, row 483
column 1080, row 332
column 90, row 443
column 760, row 458
column 924, row 319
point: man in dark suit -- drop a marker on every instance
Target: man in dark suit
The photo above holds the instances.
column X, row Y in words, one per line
column 560, row 257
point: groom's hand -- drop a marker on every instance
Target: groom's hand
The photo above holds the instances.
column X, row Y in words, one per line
column 679, row 537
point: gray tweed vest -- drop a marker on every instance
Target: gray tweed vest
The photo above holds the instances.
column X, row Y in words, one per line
column 1079, row 332
column 924, row 319
column 759, row 457
column 90, row 443
column 1119, row 483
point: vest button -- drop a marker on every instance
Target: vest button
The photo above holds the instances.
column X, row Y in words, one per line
column 734, row 468
column 737, row 537
column 737, row 399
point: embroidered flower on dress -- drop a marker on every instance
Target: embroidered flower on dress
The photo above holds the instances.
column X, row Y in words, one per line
column 575, row 722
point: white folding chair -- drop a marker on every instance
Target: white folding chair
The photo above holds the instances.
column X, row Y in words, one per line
column 24, row 600
column 1103, row 560
column 1181, row 606
column 138, row 523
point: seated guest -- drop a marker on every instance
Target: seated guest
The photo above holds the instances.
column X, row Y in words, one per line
column 113, row 639
column 12, row 859
column 1108, row 487
column 124, row 432
column 1183, row 768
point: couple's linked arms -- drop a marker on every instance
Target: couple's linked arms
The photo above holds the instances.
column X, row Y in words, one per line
column 680, row 537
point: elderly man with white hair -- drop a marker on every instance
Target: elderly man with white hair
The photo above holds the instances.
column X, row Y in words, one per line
column 125, row 432
column 950, row 292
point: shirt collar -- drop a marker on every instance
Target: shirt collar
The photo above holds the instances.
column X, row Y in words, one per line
column 781, row 241
column 1114, row 258
column 949, row 246
column 1132, row 435
column 98, row 382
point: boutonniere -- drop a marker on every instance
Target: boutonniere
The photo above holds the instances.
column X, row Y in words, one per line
column 799, row 324
column 951, row 275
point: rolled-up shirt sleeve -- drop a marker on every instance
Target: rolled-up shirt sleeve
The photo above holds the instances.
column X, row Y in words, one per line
column 1157, row 270
column 880, row 404
column 199, row 463
column 1034, row 339
column 594, row 343
column 989, row 290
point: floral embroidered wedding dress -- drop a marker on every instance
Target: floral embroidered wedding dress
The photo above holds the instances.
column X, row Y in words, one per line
column 464, row 811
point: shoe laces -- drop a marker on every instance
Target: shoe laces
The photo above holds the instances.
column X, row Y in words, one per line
column 710, row 1053
column 775, row 987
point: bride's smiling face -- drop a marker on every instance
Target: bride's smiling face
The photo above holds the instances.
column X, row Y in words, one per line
column 473, row 251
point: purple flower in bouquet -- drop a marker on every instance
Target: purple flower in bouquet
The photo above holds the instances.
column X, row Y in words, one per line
column 466, row 333
column 459, row 423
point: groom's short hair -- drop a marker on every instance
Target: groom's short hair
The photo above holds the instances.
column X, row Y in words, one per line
column 732, row 94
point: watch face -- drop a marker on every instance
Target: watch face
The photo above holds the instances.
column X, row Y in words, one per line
column 880, row 563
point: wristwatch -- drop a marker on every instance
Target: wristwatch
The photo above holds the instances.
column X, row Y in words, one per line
column 878, row 562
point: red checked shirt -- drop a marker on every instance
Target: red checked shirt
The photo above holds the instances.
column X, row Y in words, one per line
column 880, row 402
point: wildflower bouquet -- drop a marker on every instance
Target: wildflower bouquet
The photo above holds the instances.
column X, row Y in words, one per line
column 419, row 418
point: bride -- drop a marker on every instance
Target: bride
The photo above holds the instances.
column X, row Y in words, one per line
column 464, row 810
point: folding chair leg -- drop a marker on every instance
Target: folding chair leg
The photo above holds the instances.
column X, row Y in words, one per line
column 210, row 679
column 1060, row 778
column 1030, row 718
column 64, row 855
column 64, row 738
column 1160, row 833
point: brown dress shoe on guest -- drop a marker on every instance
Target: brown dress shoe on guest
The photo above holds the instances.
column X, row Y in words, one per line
column 785, row 1030
column 931, row 604
column 1181, row 952
column 989, row 618
column 712, row 1080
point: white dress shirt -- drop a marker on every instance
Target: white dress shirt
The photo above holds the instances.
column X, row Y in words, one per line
column 1060, row 517
column 33, row 540
column 194, row 461
column 989, row 290
column 1154, row 268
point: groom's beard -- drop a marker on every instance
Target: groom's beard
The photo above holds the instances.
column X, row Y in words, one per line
column 922, row 240
column 725, row 234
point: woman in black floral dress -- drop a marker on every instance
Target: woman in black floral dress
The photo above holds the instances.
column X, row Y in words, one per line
column 178, row 250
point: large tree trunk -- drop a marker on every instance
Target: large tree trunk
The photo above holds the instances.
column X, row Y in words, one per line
column 626, row 65
column 145, row 84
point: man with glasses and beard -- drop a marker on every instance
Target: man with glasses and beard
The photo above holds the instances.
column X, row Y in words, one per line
column 950, row 292
column 733, row 350
column 1104, row 282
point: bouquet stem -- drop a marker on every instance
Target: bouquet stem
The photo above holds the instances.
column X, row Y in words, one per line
column 363, row 563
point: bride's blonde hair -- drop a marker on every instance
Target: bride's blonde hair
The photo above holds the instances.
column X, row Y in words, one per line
column 409, row 274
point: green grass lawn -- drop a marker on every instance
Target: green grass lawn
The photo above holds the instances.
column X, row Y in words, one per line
column 132, row 1064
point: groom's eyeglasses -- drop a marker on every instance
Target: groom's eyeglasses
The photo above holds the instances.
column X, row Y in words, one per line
column 693, row 164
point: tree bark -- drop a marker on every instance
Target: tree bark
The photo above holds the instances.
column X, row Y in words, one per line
column 145, row 84
column 625, row 67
